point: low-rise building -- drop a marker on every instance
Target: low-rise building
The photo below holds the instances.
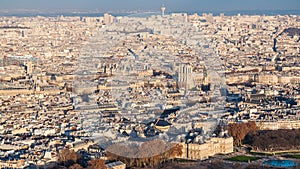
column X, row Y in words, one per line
column 203, row 151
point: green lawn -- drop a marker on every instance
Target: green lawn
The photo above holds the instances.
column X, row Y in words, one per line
column 284, row 152
column 183, row 160
column 297, row 156
column 260, row 153
column 275, row 153
column 242, row 158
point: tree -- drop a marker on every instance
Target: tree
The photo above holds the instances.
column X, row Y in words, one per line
column 174, row 151
column 251, row 127
column 75, row 166
column 217, row 165
column 272, row 140
column 237, row 166
column 97, row 164
column 150, row 153
column 256, row 166
column 239, row 131
column 67, row 157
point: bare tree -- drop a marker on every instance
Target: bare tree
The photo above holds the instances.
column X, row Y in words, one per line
column 75, row 166
column 97, row 164
column 68, row 157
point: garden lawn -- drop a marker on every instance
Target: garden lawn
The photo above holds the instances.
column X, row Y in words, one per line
column 242, row 158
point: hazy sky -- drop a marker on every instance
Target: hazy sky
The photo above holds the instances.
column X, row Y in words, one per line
column 171, row 5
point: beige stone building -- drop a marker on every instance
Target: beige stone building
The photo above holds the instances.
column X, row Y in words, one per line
column 214, row 146
column 275, row 125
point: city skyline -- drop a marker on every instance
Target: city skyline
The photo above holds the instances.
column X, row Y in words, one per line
column 125, row 84
column 136, row 5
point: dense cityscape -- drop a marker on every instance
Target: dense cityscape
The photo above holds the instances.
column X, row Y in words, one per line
column 146, row 90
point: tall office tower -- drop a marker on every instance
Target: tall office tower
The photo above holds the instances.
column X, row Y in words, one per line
column 108, row 19
column 185, row 77
column 163, row 8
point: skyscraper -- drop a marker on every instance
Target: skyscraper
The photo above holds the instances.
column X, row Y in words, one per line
column 185, row 76
column 163, row 8
column 108, row 19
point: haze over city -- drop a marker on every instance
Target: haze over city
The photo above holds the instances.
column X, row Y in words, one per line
column 146, row 5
